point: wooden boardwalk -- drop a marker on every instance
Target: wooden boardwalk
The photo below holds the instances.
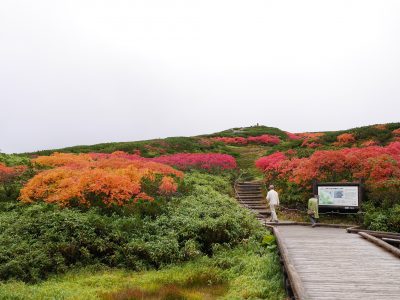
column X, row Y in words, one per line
column 329, row 263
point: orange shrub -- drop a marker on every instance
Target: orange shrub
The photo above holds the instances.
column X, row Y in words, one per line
column 369, row 143
column 168, row 185
column 396, row 132
column 310, row 139
column 88, row 179
column 345, row 138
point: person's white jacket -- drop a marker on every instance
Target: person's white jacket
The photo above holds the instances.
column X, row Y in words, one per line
column 272, row 197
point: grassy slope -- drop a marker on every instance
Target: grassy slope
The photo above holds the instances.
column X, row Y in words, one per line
column 246, row 272
column 246, row 156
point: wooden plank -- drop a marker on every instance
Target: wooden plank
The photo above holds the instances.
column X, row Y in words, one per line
column 329, row 263
column 381, row 243
column 294, row 278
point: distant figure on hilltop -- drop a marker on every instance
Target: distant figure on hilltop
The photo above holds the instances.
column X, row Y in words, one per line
column 313, row 209
column 273, row 199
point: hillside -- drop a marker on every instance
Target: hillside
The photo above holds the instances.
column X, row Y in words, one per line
column 158, row 218
column 245, row 152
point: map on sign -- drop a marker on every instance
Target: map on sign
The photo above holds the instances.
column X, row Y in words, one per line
column 338, row 195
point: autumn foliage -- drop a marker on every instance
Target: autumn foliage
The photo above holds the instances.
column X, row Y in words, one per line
column 265, row 139
column 271, row 162
column 182, row 161
column 310, row 139
column 231, row 140
column 345, row 138
column 292, row 136
column 375, row 164
column 88, row 179
column 396, row 132
column 205, row 161
column 9, row 173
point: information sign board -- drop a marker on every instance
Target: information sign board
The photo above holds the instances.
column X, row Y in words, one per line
column 338, row 195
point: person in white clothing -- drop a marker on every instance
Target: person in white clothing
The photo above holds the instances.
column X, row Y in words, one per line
column 273, row 199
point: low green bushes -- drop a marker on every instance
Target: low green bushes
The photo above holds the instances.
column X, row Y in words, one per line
column 248, row 271
column 39, row 240
column 14, row 160
column 149, row 148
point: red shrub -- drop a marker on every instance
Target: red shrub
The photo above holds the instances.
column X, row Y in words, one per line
column 270, row 162
column 9, row 173
column 292, row 136
column 264, row 139
column 375, row 164
column 231, row 140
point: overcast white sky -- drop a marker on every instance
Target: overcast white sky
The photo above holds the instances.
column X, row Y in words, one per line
column 83, row 72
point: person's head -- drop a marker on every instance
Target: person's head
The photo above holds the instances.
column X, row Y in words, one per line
column 271, row 187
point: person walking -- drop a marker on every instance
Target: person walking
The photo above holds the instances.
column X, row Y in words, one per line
column 313, row 210
column 273, row 199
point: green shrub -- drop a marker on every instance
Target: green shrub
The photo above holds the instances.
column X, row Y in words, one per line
column 250, row 131
column 248, row 271
column 14, row 160
column 39, row 240
column 221, row 184
column 382, row 219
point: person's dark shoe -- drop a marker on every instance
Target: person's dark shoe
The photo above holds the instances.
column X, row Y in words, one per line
column 276, row 221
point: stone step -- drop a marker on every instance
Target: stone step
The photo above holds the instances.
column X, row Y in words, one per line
column 250, row 195
column 252, row 201
column 262, row 211
column 256, row 207
column 249, row 183
column 249, row 192
column 248, row 187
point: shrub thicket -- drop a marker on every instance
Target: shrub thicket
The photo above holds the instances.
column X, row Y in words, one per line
column 41, row 239
column 150, row 148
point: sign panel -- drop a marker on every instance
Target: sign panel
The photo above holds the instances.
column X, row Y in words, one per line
column 338, row 195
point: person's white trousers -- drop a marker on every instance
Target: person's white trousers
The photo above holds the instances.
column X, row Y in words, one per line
column 273, row 213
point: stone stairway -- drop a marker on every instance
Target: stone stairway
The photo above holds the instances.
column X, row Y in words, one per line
column 249, row 194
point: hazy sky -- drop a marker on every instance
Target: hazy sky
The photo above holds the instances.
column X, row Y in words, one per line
column 83, row 72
